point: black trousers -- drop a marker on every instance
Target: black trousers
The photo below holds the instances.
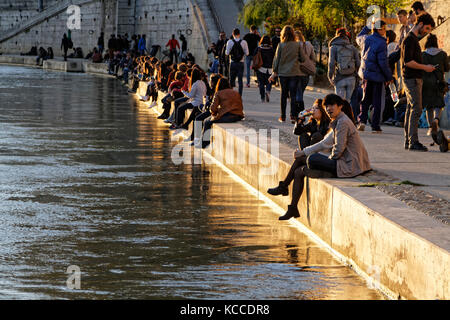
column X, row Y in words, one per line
column 315, row 161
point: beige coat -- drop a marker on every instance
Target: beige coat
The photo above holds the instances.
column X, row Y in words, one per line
column 348, row 148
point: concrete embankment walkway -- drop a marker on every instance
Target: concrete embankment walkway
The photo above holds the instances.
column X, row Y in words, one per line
column 401, row 249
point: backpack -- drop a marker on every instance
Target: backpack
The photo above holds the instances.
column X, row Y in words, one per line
column 236, row 53
column 346, row 63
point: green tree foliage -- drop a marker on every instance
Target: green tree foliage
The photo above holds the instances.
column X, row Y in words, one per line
column 318, row 18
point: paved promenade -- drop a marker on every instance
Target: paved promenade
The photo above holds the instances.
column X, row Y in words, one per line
column 387, row 155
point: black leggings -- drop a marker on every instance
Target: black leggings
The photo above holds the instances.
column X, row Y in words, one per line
column 315, row 161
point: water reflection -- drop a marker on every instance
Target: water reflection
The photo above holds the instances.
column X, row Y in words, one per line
column 87, row 180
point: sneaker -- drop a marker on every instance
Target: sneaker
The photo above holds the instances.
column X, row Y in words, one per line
column 417, row 146
column 377, row 130
column 248, row 85
column 361, row 126
column 282, row 119
column 268, row 96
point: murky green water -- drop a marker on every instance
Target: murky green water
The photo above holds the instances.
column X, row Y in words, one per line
column 86, row 179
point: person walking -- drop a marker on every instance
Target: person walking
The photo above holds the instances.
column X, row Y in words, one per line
column 173, row 44
column 264, row 72
column 276, row 39
column 286, row 66
column 303, row 79
column 101, row 43
column 65, row 44
column 237, row 50
column 183, row 52
column 343, row 64
column 434, row 85
column 142, row 45
column 252, row 39
column 412, row 73
column 220, row 48
column 375, row 72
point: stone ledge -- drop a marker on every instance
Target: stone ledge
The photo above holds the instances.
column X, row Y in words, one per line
column 405, row 253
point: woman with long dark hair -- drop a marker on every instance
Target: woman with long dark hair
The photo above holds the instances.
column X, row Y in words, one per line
column 348, row 157
column 196, row 95
column 315, row 128
column 264, row 72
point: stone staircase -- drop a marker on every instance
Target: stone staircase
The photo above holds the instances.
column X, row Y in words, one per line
column 42, row 16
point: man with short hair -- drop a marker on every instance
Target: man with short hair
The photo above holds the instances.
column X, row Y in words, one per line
column 237, row 50
column 252, row 39
column 402, row 17
column 418, row 8
column 142, row 45
column 343, row 64
column 412, row 69
column 173, row 44
column 220, row 48
column 276, row 39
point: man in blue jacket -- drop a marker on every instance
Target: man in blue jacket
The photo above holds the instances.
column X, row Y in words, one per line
column 375, row 73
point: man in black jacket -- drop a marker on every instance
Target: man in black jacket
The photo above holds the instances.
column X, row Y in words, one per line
column 252, row 39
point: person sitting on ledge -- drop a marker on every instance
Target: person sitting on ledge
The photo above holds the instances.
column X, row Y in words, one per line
column 348, row 156
column 315, row 129
column 196, row 95
column 226, row 107
column 200, row 114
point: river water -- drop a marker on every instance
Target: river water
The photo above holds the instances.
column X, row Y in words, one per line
column 87, row 181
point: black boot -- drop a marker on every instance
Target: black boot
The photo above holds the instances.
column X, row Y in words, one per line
column 292, row 212
column 281, row 189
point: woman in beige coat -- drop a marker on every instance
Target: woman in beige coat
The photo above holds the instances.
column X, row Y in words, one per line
column 348, row 157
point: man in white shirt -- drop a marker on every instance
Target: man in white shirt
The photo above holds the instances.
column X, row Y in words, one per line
column 237, row 49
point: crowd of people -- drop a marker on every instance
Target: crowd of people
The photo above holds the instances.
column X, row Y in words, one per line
column 383, row 82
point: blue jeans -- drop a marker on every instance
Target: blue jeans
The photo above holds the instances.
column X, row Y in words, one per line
column 321, row 162
column 263, row 83
column 289, row 88
column 248, row 62
column 302, row 84
column 237, row 70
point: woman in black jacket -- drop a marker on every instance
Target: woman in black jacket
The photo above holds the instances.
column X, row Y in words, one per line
column 310, row 133
column 315, row 129
column 263, row 73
